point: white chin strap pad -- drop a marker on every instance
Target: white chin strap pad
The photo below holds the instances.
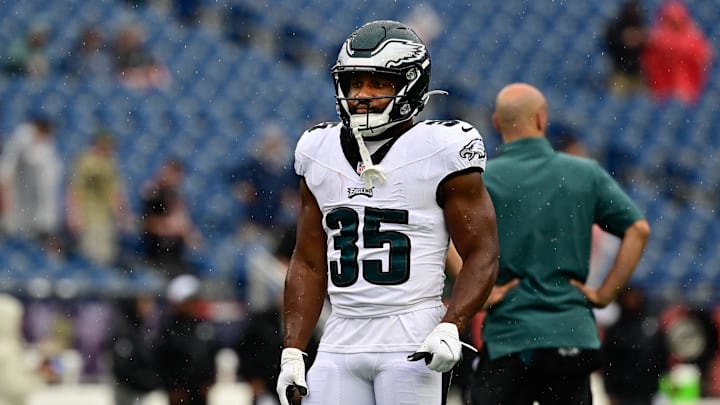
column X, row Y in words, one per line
column 369, row 124
column 371, row 171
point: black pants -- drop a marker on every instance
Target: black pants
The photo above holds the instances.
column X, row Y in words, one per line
column 512, row 380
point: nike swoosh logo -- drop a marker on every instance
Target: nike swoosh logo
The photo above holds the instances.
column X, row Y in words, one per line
column 468, row 129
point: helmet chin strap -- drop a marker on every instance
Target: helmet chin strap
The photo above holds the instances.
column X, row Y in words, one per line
column 371, row 171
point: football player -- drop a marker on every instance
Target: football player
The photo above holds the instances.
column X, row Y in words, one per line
column 381, row 198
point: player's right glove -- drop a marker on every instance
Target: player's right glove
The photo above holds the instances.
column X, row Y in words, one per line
column 441, row 349
column 292, row 375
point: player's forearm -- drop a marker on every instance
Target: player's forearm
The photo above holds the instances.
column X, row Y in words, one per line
column 627, row 258
column 472, row 287
column 305, row 291
column 453, row 262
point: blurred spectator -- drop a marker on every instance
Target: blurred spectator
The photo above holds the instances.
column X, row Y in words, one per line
column 90, row 56
column 31, row 176
column 259, row 347
column 133, row 362
column 625, row 38
column 134, row 64
column 265, row 276
column 87, row 358
column 18, row 379
column 693, row 339
column 50, row 326
column 425, row 21
column 265, row 184
column 97, row 204
column 168, row 229
column 28, row 55
column 635, row 352
column 261, row 341
column 185, row 350
column 678, row 55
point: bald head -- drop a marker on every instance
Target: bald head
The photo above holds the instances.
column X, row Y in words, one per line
column 520, row 112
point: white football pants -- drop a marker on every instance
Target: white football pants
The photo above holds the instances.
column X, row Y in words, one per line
column 371, row 379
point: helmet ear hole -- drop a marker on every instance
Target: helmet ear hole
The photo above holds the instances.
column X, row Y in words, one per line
column 411, row 75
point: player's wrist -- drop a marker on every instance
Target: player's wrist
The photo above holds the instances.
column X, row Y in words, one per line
column 448, row 327
column 292, row 353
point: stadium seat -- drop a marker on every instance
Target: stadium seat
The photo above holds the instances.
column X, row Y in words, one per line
column 226, row 90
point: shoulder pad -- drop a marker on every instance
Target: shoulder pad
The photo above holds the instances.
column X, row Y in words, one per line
column 322, row 125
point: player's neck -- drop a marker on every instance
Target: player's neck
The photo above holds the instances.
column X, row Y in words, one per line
column 398, row 129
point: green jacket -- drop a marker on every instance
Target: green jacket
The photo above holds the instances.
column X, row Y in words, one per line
column 546, row 203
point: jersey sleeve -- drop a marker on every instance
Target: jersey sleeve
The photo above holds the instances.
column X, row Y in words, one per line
column 300, row 164
column 615, row 211
column 465, row 148
column 309, row 144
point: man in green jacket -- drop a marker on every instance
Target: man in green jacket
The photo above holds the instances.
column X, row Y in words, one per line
column 540, row 337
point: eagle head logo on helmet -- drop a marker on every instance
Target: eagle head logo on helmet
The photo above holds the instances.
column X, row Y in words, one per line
column 388, row 47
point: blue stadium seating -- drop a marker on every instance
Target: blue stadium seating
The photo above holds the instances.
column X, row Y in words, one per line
column 224, row 91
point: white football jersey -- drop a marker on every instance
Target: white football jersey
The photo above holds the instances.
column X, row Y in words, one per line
column 386, row 246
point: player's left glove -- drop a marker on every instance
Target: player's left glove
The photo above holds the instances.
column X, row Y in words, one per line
column 442, row 348
column 292, row 375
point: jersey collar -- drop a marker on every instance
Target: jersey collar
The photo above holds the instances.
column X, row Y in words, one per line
column 352, row 153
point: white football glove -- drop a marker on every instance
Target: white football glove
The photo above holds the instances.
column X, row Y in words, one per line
column 442, row 348
column 292, row 375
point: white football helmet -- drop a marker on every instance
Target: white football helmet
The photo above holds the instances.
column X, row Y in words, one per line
column 388, row 47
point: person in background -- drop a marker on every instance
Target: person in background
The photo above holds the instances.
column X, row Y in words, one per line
column 132, row 337
column 425, row 21
column 381, row 196
column 635, row 352
column 31, row 173
column 90, row 58
column 677, row 57
column 625, row 38
column 265, row 185
column 135, row 65
column 18, row 380
column 261, row 342
column 185, row 347
column 168, row 229
column 97, row 204
column 29, row 55
column 540, row 336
